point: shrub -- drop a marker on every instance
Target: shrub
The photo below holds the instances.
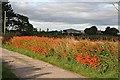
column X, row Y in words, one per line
column 8, row 36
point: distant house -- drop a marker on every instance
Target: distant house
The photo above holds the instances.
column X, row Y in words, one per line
column 99, row 32
column 72, row 31
column 118, row 33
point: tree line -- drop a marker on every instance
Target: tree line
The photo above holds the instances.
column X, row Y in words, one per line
column 108, row 31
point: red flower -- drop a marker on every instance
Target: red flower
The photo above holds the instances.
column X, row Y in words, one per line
column 93, row 64
column 79, row 57
column 64, row 55
column 84, row 61
column 43, row 53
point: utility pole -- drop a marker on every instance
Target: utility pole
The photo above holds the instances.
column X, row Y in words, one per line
column 118, row 3
column 4, row 22
column 0, row 18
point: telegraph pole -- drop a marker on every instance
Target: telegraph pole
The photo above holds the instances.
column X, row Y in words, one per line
column 118, row 3
column 4, row 22
column 1, row 18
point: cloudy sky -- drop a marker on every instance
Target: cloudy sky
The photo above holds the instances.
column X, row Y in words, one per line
column 65, row 14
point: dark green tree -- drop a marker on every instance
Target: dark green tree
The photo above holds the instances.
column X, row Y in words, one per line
column 47, row 29
column 9, row 15
column 107, row 30
column 114, row 31
column 91, row 31
column 111, row 31
column 16, row 22
column 87, row 31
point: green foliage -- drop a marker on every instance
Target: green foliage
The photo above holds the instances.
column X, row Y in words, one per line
column 51, row 53
column 91, row 31
column 16, row 22
column 8, row 36
column 7, row 73
column 105, row 70
column 77, row 36
column 111, row 31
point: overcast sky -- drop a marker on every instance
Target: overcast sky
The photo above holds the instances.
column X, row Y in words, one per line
column 65, row 14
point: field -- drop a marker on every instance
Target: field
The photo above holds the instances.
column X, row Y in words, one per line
column 91, row 58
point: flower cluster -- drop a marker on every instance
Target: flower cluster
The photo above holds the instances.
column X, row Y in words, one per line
column 66, row 47
column 91, row 60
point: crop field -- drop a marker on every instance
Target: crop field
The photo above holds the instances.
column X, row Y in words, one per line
column 91, row 58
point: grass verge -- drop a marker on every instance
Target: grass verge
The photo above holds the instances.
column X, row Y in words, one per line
column 70, row 65
column 7, row 73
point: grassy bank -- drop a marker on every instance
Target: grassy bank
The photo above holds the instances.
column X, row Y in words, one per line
column 67, row 64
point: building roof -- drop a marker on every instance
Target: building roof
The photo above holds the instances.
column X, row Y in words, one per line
column 72, row 30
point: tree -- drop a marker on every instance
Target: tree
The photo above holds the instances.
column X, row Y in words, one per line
column 87, row 30
column 14, row 21
column 111, row 31
column 47, row 29
column 114, row 31
column 91, row 31
column 10, row 14
column 107, row 30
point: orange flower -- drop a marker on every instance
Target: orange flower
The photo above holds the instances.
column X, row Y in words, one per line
column 100, row 49
column 83, row 49
column 79, row 57
column 86, row 48
column 93, row 64
column 64, row 55
column 111, row 48
column 43, row 53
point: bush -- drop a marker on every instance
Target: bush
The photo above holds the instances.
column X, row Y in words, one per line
column 9, row 35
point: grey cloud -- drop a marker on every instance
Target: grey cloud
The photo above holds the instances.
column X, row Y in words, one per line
column 85, row 0
column 65, row 0
column 71, row 13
